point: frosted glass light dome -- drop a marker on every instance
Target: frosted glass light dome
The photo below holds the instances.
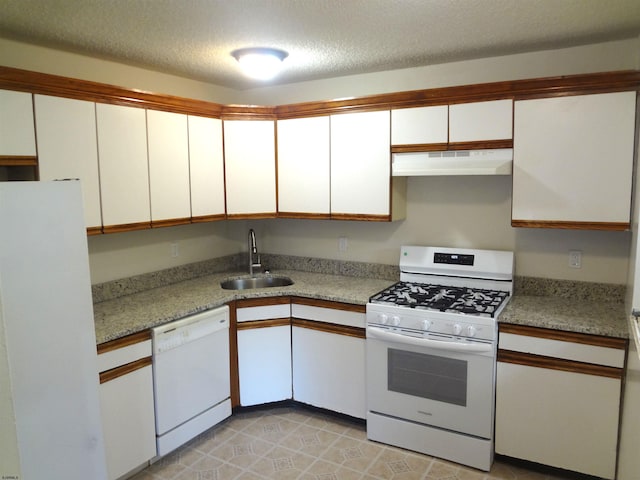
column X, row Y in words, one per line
column 260, row 63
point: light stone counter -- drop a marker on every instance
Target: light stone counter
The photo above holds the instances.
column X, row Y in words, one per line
column 558, row 313
column 132, row 313
column 131, row 305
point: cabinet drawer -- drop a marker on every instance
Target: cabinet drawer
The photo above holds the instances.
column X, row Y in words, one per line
column 123, row 351
column 264, row 312
column 579, row 352
column 329, row 315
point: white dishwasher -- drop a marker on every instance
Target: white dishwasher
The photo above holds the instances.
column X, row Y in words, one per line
column 191, row 377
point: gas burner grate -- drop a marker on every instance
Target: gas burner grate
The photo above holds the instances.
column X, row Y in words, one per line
column 470, row 301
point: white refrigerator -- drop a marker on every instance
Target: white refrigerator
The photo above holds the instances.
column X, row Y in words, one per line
column 629, row 447
column 49, row 404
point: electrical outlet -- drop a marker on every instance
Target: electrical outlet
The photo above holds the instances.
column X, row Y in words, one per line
column 575, row 258
column 343, row 244
column 175, row 250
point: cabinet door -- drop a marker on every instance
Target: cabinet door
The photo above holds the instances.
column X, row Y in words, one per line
column 250, row 168
column 329, row 371
column 264, row 364
column 360, row 163
column 128, row 421
column 206, row 166
column 304, row 165
column 573, row 161
column 168, row 144
column 558, row 418
column 17, row 134
column 61, row 123
column 423, row 125
column 469, row 122
column 122, row 156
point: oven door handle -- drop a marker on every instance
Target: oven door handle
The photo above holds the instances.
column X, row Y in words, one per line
column 380, row 334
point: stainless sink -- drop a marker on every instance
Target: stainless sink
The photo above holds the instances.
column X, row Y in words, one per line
column 255, row 282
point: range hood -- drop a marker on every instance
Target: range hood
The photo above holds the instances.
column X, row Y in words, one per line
column 453, row 162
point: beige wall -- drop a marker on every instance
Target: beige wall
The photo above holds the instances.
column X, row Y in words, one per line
column 451, row 211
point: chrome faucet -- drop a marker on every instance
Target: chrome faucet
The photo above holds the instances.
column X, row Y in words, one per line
column 254, row 256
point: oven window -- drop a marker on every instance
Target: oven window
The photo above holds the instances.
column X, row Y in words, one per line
column 427, row 376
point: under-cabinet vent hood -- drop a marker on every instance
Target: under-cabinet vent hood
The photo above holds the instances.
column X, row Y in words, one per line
column 453, row 162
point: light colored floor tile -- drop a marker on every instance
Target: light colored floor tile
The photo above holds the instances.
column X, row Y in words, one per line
column 296, row 443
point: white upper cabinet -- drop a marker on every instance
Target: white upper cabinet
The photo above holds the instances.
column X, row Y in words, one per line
column 361, row 164
column 17, row 135
column 492, row 120
column 304, row 183
column 422, row 125
column 122, row 155
column 206, row 166
column 250, row 166
column 168, row 144
column 62, row 123
column 573, row 160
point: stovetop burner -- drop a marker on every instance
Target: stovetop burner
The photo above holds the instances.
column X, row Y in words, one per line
column 470, row 301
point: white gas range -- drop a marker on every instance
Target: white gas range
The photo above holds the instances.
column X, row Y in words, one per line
column 431, row 352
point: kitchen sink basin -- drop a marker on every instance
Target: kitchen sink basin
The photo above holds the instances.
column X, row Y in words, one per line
column 255, row 282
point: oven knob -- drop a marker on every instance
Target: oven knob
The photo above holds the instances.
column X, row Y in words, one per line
column 426, row 325
column 395, row 320
column 383, row 318
column 471, row 331
column 457, row 329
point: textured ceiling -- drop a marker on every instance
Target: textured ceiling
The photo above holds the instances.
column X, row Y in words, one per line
column 324, row 38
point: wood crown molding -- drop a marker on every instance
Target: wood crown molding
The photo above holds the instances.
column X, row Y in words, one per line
column 46, row 84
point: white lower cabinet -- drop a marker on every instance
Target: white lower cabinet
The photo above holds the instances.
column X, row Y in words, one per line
column 328, row 350
column 561, row 411
column 264, row 351
column 126, row 402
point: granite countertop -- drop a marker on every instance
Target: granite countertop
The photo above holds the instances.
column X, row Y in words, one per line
column 558, row 313
column 132, row 313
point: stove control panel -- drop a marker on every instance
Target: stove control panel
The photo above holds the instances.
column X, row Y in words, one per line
column 418, row 323
column 453, row 258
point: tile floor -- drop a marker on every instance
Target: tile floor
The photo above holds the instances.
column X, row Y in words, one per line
column 293, row 442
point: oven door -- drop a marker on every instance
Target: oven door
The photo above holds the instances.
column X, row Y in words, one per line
column 446, row 384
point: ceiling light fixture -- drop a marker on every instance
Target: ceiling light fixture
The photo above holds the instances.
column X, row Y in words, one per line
column 259, row 62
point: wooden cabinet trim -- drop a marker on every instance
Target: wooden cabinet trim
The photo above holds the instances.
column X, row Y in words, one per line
column 314, row 302
column 564, row 336
column 356, row 332
column 122, row 342
column 35, row 82
column 209, row 218
column 263, row 301
column 127, row 227
column 360, row 216
column 46, row 84
column 540, row 361
column 251, row 216
column 307, row 216
column 122, row 370
column 611, row 226
column 18, row 161
column 441, row 147
column 170, row 222
column 271, row 322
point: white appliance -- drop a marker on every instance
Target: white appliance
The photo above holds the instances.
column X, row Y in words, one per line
column 191, row 377
column 629, row 446
column 431, row 353
column 453, row 162
column 49, row 404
